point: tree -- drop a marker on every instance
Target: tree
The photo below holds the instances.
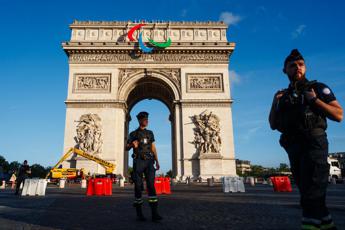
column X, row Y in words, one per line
column 169, row 174
column 4, row 164
column 130, row 170
column 283, row 167
column 14, row 166
column 38, row 170
column 257, row 171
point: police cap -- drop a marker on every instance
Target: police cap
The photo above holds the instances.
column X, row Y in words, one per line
column 293, row 56
column 142, row 115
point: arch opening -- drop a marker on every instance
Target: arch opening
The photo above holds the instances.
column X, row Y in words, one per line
column 158, row 88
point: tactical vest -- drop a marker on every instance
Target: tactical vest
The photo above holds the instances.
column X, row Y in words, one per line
column 295, row 115
column 144, row 138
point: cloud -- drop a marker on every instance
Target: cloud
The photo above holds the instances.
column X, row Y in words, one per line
column 299, row 31
column 229, row 18
column 250, row 133
column 234, row 77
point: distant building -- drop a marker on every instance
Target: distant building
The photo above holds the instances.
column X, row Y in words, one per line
column 243, row 166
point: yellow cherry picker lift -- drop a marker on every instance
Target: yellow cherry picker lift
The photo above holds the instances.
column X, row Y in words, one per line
column 72, row 173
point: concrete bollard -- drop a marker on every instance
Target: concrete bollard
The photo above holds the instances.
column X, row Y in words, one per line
column 3, row 185
column 62, row 183
column 251, row 181
column 83, row 183
column 122, row 182
column 210, row 182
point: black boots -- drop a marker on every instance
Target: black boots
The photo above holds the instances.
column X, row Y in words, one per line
column 140, row 216
column 154, row 208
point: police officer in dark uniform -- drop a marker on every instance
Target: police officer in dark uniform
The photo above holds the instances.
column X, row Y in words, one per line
column 144, row 157
column 23, row 173
column 299, row 112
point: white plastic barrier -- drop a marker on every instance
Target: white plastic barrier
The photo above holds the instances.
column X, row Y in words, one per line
column 122, row 182
column 233, row 184
column 83, row 183
column 34, row 187
column 251, row 181
column 62, row 183
column 3, row 185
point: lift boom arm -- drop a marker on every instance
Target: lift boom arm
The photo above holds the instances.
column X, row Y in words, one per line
column 109, row 167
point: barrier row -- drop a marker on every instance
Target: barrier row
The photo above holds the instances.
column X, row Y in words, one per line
column 34, row 187
column 233, row 184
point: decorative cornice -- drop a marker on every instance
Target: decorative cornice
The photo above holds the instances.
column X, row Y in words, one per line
column 104, row 103
column 92, row 103
column 173, row 58
column 112, row 45
column 219, row 24
column 204, row 103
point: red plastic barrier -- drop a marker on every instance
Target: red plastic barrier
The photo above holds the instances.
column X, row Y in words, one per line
column 281, row 184
column 99, row 187
column 108, row 190
column 158, row 185
column 89, row 189
column 166, row 185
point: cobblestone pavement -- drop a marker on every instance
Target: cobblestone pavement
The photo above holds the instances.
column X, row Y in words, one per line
column 189, row 207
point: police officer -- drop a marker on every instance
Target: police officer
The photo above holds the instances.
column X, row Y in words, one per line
column 23, row 173
column 299, row 112
column 144, row 157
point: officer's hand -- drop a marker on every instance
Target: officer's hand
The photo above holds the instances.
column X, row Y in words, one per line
column 135, row 144
column 310, row 96
column 157, row 165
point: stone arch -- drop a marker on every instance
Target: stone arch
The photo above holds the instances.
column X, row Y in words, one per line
column 155, row 77
column 151, row 85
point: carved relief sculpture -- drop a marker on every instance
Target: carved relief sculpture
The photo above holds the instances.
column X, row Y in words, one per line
column 89, row 134
column 92, row 82
column 206, row 133
column 203, row 82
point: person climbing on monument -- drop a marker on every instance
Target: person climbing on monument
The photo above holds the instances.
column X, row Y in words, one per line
column 144, row 157
column 300, row 113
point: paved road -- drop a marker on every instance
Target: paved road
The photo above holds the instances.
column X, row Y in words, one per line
column 189, row 207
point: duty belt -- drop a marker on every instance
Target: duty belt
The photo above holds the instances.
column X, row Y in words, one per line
column 308, row 132
column 143, row 156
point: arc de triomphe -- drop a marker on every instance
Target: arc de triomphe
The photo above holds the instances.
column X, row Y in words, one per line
column 109, row 74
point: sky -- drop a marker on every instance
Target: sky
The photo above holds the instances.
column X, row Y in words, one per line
column 34, row 68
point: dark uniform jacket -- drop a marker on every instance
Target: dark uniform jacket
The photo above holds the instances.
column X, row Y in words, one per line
column 145, row 138
column 295, row 115
column 23, row 171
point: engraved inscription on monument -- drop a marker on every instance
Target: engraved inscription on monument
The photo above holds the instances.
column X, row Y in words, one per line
column 91, row 82
column 204, row 82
